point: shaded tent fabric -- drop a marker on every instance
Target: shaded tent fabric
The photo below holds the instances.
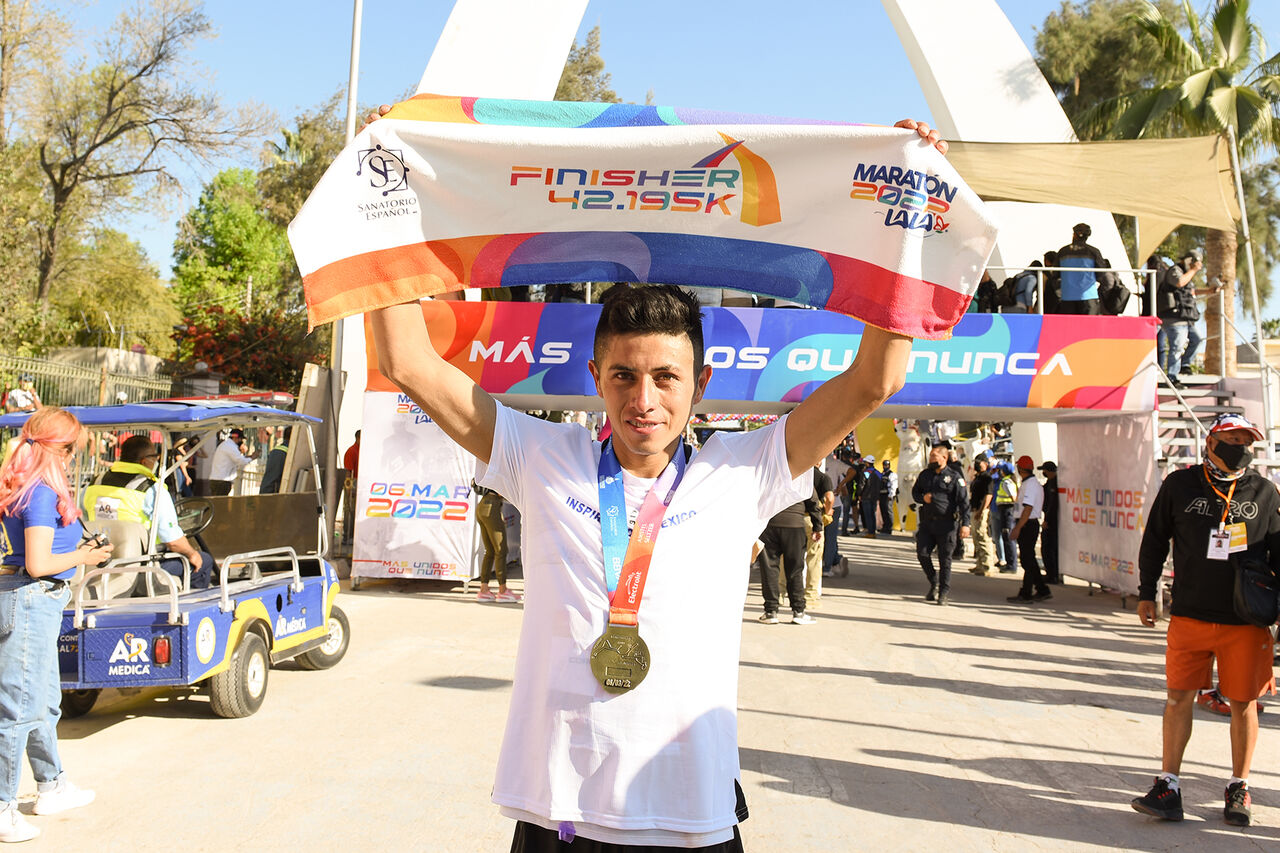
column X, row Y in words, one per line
column 1163, row 182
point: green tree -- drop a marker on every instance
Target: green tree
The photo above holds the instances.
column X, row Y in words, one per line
column 584, row 77
column 107, row 136
column 1213, row 78
column 112, row 294
column 292, row 167
column 226, row 242
column 1090, row 52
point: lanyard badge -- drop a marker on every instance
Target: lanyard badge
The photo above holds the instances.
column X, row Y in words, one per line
column 620, row 657
column 1227, row 539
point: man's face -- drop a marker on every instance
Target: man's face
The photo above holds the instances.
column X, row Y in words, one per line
column 649, row 389
column 938, row 456
column 1229, row 436
column 1026, row 473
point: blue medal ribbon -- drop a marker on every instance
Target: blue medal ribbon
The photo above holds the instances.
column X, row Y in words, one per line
column 613, row 506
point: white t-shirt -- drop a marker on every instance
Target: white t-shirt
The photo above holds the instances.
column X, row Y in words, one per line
column 655, row 765
column 227, row 460
column 1031, row 493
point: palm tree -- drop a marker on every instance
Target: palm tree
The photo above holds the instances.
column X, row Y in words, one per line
column 1215, row 79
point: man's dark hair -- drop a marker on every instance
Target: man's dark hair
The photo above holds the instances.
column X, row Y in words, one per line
column 135, row 447
column 660, row 309
column 235, row 432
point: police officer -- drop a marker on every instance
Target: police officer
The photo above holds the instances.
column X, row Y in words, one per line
column 130, row 491
column 944, row 511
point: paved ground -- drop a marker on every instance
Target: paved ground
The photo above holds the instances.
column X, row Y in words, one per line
column 888, row 725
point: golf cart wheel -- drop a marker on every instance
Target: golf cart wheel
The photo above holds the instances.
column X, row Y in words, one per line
column 334, row 648
column 238, row 690
column 77, row 703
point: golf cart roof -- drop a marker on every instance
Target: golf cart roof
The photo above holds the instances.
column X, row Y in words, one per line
column 175, row 415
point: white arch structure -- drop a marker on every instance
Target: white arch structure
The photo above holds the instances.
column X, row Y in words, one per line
column 516, row 49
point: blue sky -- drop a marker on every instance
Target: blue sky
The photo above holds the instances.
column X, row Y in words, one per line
column 836, row 59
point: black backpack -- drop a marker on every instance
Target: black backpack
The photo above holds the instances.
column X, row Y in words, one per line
column 1113, row 295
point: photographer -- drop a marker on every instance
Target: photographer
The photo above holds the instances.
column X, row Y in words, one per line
column 41, row 547
column 1176, row 307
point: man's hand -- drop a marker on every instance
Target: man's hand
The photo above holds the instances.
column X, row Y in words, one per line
column 1017, row 531
column 196, row 561
column 816, row 536
column 1147, row 613
column 926, row 133
column 928, row 497
column 964, row 532
column 375, row 115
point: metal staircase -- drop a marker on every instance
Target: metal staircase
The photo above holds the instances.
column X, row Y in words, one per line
column 1182, row 416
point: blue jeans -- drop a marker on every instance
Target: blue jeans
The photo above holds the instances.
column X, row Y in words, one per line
column 1002, row 521
column 30, row 684
column 1162, row 345
column 1184, row 343
column 830, row 546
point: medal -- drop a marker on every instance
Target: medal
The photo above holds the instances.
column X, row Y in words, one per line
column 620, row 658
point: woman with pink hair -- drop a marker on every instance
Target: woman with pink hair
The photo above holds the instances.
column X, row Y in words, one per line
column 40, row 549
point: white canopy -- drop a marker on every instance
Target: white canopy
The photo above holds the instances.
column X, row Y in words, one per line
column 1163, row 182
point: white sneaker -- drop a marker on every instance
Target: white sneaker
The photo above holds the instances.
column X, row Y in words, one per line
column 62, row 796
column 14, row 827
column 801, row 619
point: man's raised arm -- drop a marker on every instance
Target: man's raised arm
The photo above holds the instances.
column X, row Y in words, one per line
column 841, row 403
column 463, row 409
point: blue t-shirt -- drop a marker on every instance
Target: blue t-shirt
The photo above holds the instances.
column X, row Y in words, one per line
column 41, row 511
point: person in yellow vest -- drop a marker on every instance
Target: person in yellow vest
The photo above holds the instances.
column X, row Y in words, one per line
column 130, row 491
column 1003, row 516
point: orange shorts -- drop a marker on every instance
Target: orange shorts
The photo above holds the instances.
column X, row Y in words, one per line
column 1244, row 654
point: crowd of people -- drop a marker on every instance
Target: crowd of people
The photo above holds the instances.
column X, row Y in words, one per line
column 1077, row 279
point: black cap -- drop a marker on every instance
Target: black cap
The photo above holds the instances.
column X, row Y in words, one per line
column 1049, row 466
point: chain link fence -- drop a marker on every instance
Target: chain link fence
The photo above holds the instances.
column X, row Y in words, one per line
column 62, row 384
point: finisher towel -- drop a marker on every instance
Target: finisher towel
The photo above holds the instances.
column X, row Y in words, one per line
column 445, row 193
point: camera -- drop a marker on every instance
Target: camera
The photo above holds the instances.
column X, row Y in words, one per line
column 97, row 540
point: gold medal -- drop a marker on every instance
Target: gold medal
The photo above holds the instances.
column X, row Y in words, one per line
column 620, row 658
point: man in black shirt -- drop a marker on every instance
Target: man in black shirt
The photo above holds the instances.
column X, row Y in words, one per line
column 784, row 538
column 943, row 501
column 1215, row 513
column 1049, row 524
column 984, row 547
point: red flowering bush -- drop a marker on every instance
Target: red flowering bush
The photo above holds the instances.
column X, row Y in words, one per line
column 265, row 351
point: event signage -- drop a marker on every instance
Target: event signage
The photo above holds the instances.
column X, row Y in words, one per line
column 445, row 193
column 779, row 356
column 1107, row 478
column 415, row 509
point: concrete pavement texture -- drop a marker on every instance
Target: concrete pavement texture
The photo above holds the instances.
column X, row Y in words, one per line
column 889, row 724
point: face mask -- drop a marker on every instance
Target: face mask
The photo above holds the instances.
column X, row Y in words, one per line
column 1234, row 456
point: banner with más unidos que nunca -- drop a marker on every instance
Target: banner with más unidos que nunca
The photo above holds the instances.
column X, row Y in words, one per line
column 1107, row 478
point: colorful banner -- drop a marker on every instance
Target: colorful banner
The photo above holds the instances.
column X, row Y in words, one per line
column 1015, row 361
column 446, row 192
column 1107, row 477
column 415, row 511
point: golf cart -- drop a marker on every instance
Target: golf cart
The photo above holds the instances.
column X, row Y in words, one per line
column 131, row 624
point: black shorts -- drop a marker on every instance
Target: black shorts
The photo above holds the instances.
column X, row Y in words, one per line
column 531, row 838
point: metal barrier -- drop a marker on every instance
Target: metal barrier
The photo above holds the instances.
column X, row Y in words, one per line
column 61, row 384
column 1040, row 271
